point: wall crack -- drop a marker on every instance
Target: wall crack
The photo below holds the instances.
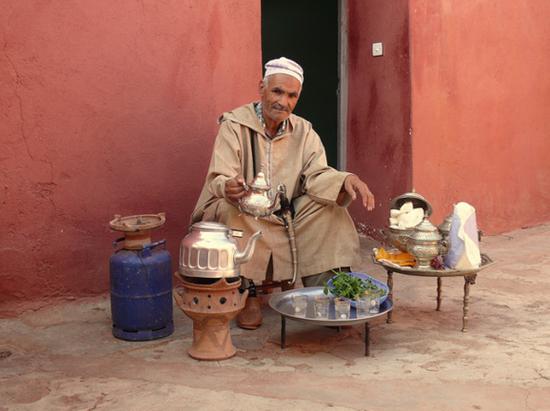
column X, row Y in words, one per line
column 22, row 121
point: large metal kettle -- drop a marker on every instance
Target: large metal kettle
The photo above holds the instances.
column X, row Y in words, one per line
column 257, row 201
column 210, row 251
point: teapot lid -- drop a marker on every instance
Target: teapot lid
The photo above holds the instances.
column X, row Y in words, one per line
column 260, row 182
column 446, row 224
column 425, row 226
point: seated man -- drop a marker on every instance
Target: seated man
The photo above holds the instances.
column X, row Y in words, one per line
column 266, row 136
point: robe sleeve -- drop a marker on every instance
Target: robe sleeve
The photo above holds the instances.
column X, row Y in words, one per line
column 321, row 182
column 225, row 162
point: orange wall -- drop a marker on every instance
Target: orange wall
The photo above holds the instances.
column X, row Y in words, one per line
column 109, row 107
column 480, row 108
column 379, row 144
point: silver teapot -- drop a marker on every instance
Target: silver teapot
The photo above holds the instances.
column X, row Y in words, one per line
column 210, row 251
column 257, row 201
column 445, row 227
column 425, row 244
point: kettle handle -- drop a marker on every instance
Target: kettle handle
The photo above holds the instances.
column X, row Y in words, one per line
column 236, row 233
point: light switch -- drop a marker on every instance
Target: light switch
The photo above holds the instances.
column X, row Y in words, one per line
column 377, row 49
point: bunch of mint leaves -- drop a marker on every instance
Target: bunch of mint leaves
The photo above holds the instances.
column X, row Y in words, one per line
column 348, row 286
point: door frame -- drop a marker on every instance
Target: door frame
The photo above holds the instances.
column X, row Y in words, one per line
column 342, row 116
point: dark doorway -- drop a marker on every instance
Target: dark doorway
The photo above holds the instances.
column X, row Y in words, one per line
column 307, row 31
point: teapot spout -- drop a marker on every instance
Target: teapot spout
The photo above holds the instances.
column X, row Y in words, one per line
column 246, row 254
column 280, row 196
column 280, row 190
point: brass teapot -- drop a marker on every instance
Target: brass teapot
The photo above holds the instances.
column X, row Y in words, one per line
column 257, row 201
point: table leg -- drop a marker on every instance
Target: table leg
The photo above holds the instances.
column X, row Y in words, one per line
column 367, row 350
column 283, row 332
column 389, row 319
column 438, row 294
column 470, row 279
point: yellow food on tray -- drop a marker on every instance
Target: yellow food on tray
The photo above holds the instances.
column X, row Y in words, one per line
column 399, row 258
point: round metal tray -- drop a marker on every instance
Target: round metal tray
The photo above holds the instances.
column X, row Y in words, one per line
column 282, row 303
column 430, row 272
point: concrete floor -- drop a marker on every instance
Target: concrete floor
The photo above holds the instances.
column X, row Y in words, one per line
column 63, row 356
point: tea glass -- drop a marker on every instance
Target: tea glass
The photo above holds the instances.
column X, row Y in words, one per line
column 321, row 305
column 341, row 308
column 374, row 305
column 299, row 302
column 362, row 306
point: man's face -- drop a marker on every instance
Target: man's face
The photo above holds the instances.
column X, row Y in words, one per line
column 279, row 96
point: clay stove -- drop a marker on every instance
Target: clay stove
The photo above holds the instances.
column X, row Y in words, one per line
column 209, row 271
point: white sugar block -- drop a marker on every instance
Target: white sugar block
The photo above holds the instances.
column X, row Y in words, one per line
column 394, row 213
column 407, row 207
column 412, row 218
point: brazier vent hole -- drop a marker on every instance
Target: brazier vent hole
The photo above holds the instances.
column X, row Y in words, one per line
column 4, row 354
column 195, row 300
column 223, row 300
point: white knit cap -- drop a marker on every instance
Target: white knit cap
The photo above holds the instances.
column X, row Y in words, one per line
column 284, row 66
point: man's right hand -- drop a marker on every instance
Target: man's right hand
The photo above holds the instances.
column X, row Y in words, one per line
column 234, row 189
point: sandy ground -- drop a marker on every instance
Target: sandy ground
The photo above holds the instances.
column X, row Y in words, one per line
column 64, row 357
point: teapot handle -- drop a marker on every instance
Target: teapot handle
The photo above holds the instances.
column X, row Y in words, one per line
column 236, row 233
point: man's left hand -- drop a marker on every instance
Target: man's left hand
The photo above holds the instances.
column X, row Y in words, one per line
column 353, row 184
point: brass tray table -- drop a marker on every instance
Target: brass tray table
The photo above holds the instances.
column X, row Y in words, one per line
column 469, row 279
column 282, row 303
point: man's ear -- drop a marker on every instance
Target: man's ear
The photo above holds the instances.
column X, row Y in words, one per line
column 261, row 87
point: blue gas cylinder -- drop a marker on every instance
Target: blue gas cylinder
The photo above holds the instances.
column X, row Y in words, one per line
column 141, row 292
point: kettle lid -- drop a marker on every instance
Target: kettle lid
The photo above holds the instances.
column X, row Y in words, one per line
column 210, row 226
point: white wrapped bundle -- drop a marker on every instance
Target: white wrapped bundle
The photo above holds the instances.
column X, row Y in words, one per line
column 463, row 239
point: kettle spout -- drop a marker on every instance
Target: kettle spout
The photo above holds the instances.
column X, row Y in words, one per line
column 246, row 254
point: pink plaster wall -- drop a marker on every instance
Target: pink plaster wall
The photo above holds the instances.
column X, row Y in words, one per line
column 109, row 107
column 480, row 108
column 379, row 144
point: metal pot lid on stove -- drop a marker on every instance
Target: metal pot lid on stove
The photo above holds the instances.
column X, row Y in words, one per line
column 417, row 200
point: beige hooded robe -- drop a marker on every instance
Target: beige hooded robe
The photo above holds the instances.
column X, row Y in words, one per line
column 325, row 234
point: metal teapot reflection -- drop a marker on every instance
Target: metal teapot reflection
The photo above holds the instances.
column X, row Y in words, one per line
column 257, row 201
column 210, row 251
